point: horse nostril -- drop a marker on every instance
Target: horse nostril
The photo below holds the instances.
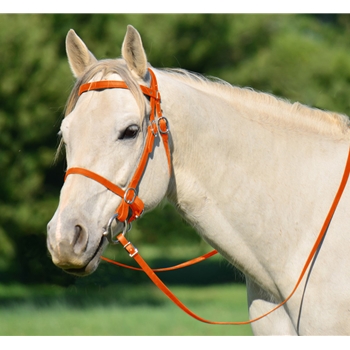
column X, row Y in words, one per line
column 78, row 229
column 80, row 238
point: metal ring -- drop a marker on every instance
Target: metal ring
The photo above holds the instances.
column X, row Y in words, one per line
column 109, row 232
column 132, row 200
column 167, row 125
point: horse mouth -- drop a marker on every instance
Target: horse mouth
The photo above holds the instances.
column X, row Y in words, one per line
column 92, row 264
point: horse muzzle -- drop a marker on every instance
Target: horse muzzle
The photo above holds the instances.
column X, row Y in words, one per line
column 74, row 250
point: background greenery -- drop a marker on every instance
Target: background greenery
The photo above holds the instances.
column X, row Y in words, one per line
column 303, row 58
column 120, row 311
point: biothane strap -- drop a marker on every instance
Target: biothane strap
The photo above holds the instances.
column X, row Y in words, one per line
column 115, row 84
column 136, row 203
column 133, row 252
column 165, row 269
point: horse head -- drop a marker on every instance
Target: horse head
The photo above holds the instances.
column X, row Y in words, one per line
column 105, row 132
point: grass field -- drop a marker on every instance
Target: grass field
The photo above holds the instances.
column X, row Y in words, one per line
column 120, row 311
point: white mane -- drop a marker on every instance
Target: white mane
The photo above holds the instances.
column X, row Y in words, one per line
column 271, row 109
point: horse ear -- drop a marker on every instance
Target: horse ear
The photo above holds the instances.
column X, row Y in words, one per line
column 134, row 53
column 79, row 56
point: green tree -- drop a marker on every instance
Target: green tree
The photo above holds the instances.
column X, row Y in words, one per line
column 300, row 57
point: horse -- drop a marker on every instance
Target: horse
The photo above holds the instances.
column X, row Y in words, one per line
column 253, row 173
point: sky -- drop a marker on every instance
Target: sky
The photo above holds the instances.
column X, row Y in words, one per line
column 180, row 6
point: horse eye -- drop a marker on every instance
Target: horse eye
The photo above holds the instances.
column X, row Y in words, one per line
column 130, row 132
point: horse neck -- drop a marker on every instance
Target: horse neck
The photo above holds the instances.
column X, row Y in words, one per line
column 245, row 184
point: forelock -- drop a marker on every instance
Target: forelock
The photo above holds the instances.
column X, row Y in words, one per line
column 107, row 67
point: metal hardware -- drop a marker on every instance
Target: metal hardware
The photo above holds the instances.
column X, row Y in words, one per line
column 109, row 231
column 132, row 200
column 138, row 216
column 166, row 123
column 134, row 248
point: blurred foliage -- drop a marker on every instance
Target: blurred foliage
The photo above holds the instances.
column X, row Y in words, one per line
column 303, row 58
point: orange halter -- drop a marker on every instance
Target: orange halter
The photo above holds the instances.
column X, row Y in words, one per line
column 130, row 200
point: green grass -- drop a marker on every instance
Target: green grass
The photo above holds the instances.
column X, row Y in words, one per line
column 120, row 310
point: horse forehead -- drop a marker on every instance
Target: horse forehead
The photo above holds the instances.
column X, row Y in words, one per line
column 108, row 98
column 104, row 107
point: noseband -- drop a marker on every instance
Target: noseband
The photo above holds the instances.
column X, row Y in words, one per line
column 131, row 206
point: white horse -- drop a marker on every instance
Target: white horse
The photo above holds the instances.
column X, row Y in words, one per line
column 255, row 176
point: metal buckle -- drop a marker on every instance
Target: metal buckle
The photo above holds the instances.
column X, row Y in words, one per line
column 166, row 123
column 134, row 248
column 109, row 232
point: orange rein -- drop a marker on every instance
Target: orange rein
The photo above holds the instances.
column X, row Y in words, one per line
column 133, row 252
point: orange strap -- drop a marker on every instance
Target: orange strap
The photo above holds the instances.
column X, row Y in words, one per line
column 136, row 205
column 165, row 269
column 103, row 84
column 116, row 84
column 133, row 252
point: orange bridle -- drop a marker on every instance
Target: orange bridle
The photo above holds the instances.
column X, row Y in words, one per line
column 131, row 206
